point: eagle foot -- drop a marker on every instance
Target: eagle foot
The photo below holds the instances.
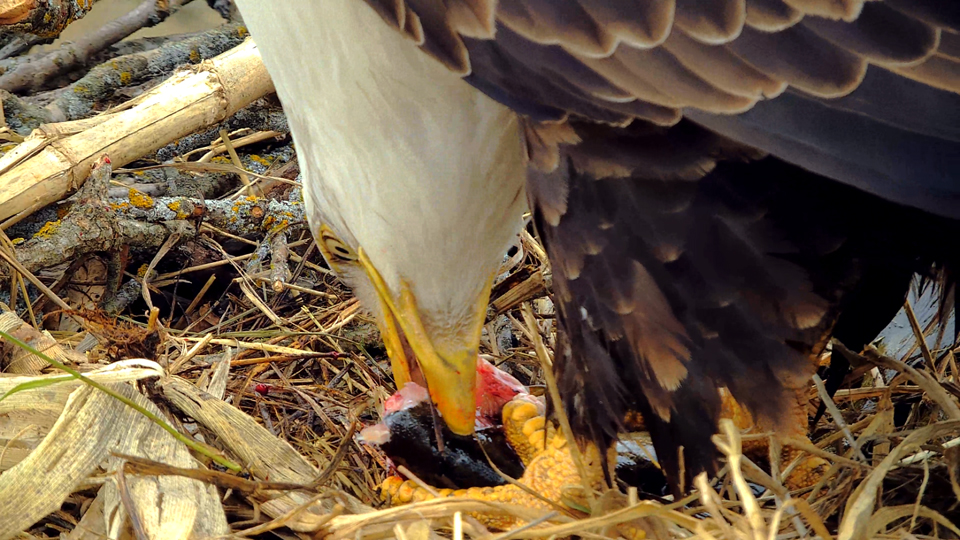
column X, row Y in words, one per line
column 807, row 473
column 810, row 469
column 551, row 476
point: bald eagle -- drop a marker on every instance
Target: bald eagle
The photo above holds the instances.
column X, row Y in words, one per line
column 719, row 184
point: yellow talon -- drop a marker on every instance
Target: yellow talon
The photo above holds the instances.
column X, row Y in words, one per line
column 523, row 425
column 552, row 473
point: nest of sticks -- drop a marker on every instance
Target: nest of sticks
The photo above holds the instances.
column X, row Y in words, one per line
column 178, row 276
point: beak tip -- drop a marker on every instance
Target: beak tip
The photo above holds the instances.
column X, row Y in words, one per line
column 460, row 427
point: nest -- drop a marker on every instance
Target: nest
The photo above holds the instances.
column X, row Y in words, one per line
column 183, row 284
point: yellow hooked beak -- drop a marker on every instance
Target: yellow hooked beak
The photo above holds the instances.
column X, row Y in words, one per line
column 448, row 365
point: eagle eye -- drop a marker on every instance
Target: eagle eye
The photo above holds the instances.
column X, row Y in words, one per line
column 334, row 248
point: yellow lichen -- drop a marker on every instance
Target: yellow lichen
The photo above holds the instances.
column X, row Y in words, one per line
column 177, row 208
column 125, row 77
column 267, row 221
column 140, row 199
column 17, row 241
column 48, row 229
column 266, row 162
column 142, row 271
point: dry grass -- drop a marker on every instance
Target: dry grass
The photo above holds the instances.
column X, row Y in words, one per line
column 305, row 368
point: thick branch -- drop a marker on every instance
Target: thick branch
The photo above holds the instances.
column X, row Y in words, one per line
column 141, row 221
column 42, row 19
column 32, row 74
column 241, row 217
column 17, row 45
column 92, row 225
column 101, row 82
column 21, row 116
column 53, row 161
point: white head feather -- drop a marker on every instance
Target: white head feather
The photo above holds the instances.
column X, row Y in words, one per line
column 400, row 156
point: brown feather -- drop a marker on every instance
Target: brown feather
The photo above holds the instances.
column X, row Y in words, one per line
column 939, row 72
column 686, row 154
column 935, row 12
column 549, row 22
column 771, row 15
column 618, row 69
column 503, row 73
column 393, row 12
column 654, row 331
column 440, row 40
column 557, row 63
column 655, row 76
column 760, row 261
column 671, row 78
column 543, row 140
column 949, row 45
column 639, row 23
column 870, row 36
column 473, row 18
column 413, row 29
column 801, row 58
column 846, row 10
column 722, row 68
column 711, row 21
column 615, row 60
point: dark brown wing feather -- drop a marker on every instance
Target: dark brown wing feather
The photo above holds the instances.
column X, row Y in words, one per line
column 869, row 35
column 684, row 259
column 734, row 279
column 615, row 61
column 771, row 15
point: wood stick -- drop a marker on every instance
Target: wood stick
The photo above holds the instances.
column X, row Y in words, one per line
column 49, row 164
